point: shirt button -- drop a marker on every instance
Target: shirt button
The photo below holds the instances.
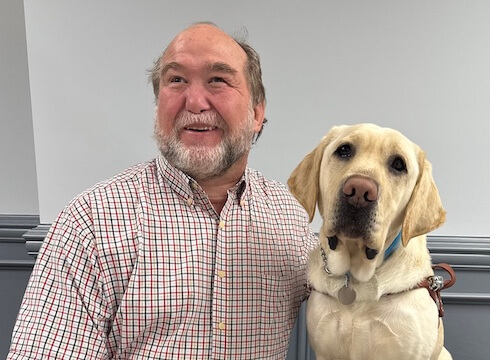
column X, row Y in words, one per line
column 190, row 201
column 242, row 203
column 221, row 326
column 221, row 273
column 221, row 224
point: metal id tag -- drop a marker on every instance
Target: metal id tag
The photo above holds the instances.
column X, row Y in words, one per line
column 346, row 294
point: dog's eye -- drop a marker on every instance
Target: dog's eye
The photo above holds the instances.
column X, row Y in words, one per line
column 398, row 164
column 344, row 151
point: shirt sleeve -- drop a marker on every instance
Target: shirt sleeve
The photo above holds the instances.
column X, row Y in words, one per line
column 310, row 244
column 63, row 315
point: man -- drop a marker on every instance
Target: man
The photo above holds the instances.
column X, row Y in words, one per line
column 192, row 255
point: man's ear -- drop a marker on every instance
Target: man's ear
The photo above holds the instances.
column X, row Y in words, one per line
column 259, row 116
column 424, row 211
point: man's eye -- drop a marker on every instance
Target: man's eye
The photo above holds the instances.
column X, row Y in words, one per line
column 176, row 79
column 217, row 79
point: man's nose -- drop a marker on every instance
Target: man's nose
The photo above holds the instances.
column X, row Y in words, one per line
column 197, row 99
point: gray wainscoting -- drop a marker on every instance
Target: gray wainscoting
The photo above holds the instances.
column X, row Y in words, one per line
column 467, row 303
column 15, row 269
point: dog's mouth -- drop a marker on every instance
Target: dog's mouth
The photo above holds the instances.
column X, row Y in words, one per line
column 355, row 214
column 354, row 222
column 351, row 223
column 333, row 241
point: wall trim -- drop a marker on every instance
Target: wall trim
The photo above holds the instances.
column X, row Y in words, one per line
column 18, row 221
column 459, row 244
column 464, row 253
column 16, row 264
column 34, row 238
column 465, row 249
column 12, row 230
column 12, row 227
column 466, row 298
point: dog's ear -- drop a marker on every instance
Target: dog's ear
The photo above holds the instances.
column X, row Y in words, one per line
column 303, row 182
column 424, row 211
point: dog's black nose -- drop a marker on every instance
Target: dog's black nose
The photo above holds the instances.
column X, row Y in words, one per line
column 332, row 242
column 371, row 253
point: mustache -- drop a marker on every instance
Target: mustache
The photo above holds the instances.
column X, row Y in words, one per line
column 208, row 118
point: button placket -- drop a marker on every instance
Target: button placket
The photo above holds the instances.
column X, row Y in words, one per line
column 220, row 283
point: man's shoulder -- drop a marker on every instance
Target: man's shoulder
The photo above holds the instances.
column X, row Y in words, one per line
column 124, row 184
column 275, row 197
column 274, row 190
column 135, row 174
column 257, row 179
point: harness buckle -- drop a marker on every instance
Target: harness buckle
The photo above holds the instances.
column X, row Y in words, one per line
column 436, row 282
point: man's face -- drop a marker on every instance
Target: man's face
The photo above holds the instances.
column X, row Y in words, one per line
column 205, row 120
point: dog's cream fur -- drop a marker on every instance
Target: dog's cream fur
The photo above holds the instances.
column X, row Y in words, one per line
column 391, row 318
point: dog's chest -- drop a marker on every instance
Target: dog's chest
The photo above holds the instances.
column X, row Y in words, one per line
column 372, row 330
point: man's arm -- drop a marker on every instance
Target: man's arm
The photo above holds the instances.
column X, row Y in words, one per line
column 63, row 313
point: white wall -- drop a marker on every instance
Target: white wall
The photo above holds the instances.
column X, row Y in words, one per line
column 18, row 183
column 419, row 66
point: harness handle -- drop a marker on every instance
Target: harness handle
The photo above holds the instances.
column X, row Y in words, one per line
column 434, row 284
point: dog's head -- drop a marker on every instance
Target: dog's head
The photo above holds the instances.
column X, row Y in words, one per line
column 369, row 183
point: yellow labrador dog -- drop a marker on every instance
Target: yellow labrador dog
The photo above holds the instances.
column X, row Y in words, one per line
column 375, row 192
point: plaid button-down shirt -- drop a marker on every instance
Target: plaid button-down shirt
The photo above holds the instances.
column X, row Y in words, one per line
column 142, row 267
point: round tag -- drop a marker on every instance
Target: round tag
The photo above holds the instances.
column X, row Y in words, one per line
column 347, row 295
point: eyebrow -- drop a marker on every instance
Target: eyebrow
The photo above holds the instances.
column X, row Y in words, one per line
column 215, row 66
column 222, row 67
column 168, row 66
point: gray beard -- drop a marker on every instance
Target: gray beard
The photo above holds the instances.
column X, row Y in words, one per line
column 202, row 162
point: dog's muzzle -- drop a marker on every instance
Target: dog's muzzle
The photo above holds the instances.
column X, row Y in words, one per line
column 355, row 214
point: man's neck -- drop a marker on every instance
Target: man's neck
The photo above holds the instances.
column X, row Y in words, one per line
column 217, row 188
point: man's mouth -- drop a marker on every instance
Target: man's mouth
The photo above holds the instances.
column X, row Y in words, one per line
column 200, row 129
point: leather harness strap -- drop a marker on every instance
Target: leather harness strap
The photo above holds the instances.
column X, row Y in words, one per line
column 434, row 284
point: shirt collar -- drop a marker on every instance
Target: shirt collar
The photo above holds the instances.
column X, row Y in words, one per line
column 173, row 177
column 184, row 184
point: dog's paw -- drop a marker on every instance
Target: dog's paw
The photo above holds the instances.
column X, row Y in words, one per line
column 339, row 261
column 362, row 268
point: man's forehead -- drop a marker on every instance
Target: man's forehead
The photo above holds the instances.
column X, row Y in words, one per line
column 204, row 39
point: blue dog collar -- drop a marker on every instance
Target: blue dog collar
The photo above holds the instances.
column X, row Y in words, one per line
column 394, row 245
